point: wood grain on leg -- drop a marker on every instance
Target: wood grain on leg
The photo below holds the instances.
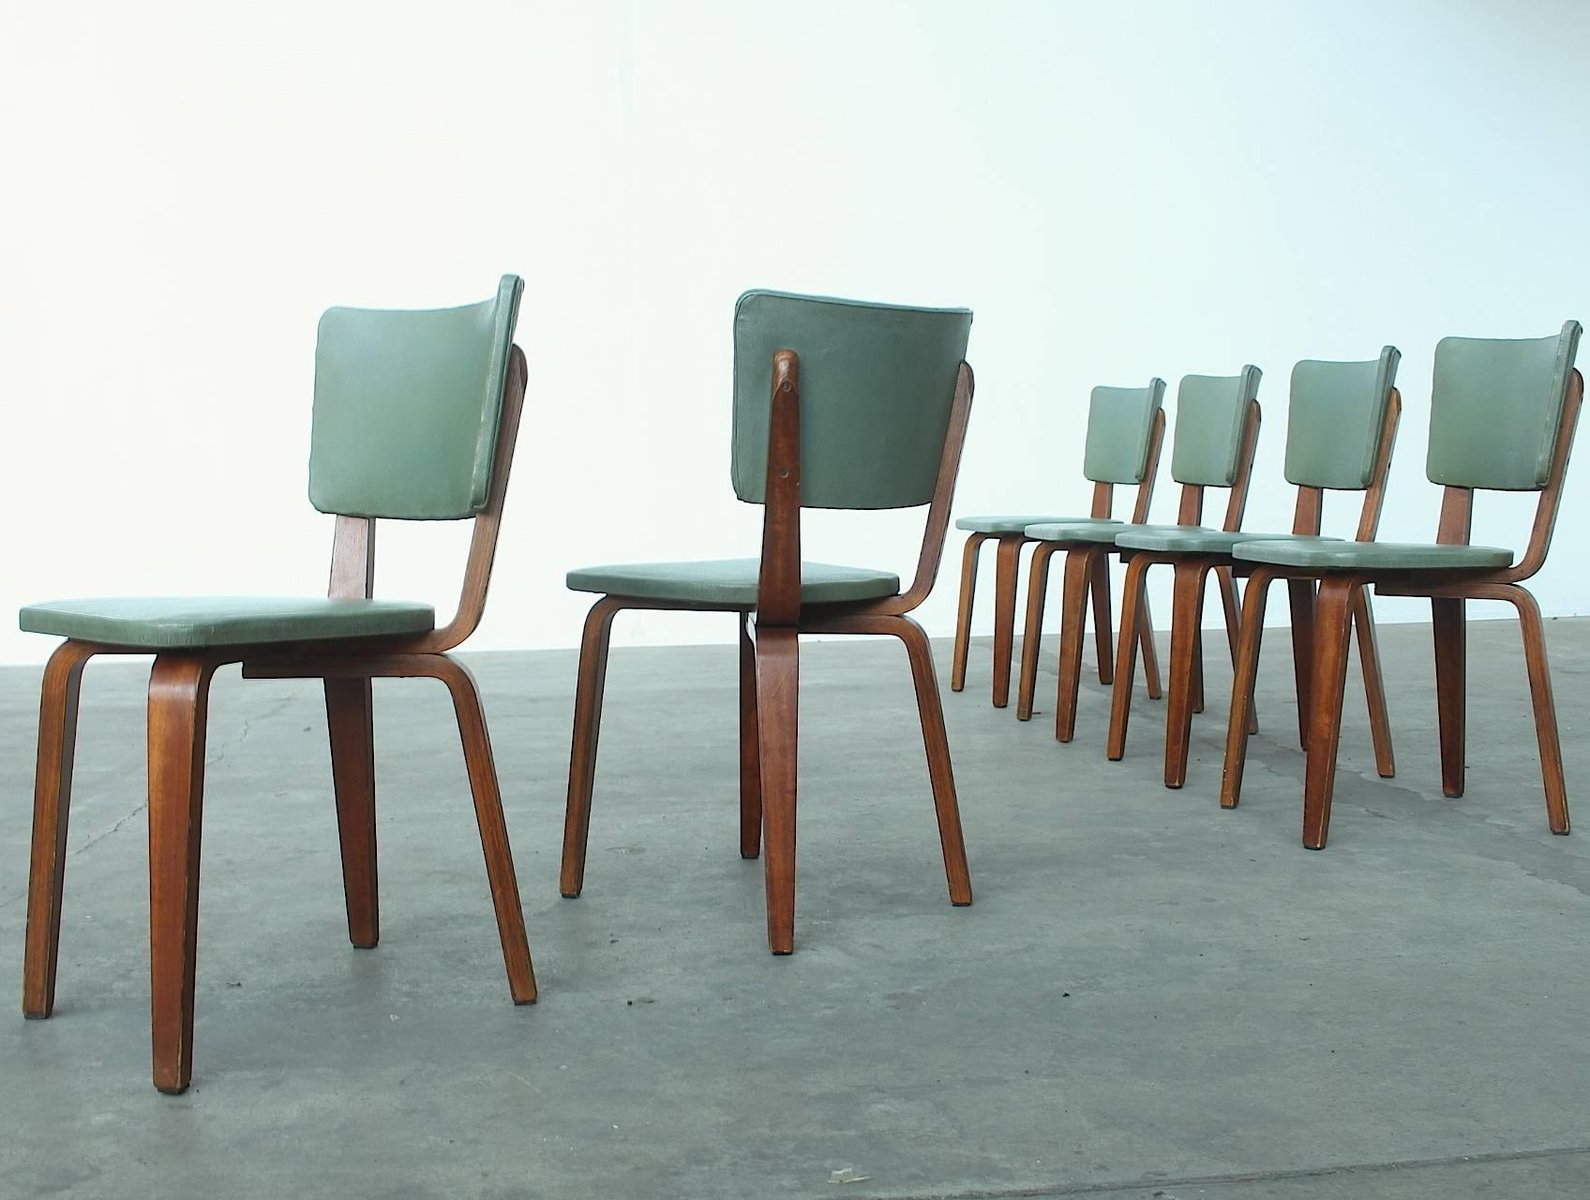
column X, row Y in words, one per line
column 1006, row 561
column 1545, row 707
column 483, row 786
column 1073, row 616
column 1103, row 635
column 1451, row 688
column 963, row 619
column 778, row 727
column 350, row 720
column 1333, row 621
column 178, row 691
column 1185, row 620
column 941, row 774
column 52, row 801
column 1244, row 679
column 1300, row 597
column 1032, row 634
column 1132, row 598
column 591, row 680
column 1374, row 685
column 1145, row 633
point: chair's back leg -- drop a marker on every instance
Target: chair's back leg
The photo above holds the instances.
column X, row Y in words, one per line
column 1185, row 652
column 1333, row 622
column 1244, row 678
column 1007, row 561
column 1300, row 597
column 1374, row 685
column 52, row 802
column 1145, row 639
column 777, row 716
column 1032, row 631
column 179, row 685
column 1073, row 620
column 1545, row 706
column 1134, row 594
column 1451, row 687
column 750, row 747
column 350, row 721
column 1103, row 634
column 592, row 677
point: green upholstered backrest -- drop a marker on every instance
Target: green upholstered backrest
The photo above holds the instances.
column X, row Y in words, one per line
column 1211, row 411
column 876, row 386
column 407, row 405
column 1334, row 421
column 1494, row 409
column 1119, row 423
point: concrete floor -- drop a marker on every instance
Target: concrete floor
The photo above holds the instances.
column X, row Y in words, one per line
column 1151, row 998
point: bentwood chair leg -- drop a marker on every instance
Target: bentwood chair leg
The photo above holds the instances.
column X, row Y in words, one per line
column 1145, row 634
column 1132, row 598
column 350, row 720
column 1374, row 685
column 1103, row 635
column 1451, row 687
column 1185, row 619
column 1300, row 596
column 1073, row 618
column 777, row 708
column 1006, row 563
column 1232, row 608
column 582, row 754
column 1032, row 633
column 1244, row 678
column 1333, row 620
column 936, row 742
column 52, row 800
column 483, row 787
column 750, row 747
column 1197, row 667
column 179, row 686
column 1545, row 707
column 963, row 619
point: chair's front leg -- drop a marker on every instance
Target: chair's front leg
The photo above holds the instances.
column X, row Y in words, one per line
column 777, row 712
column 179, row 686
column 1300, row 597
column 1032, row 634
column 52, row 802
column 1073, row 620
column 1103, row 635
column 483, row 786
column 963, row 619
column 1186, row 617
column 750, row 747
column 1133, row 595
column 1451, row 687
column 350, row 721
column 592, row 677
column 1545, row 706
column 1007, row 560
column 1244, row 679
column 1333, row 622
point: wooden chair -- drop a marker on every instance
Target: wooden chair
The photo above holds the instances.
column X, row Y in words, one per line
column 837, row 404
column 415, row 418
column 1217, row 428
column 1341, row 426
column 1112, row 456
column 1125, row 428
column 1502, row 417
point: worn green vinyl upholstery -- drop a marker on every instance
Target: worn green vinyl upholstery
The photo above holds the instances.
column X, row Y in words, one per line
column 1095, row 532
column 1017, row 524
column 407, row 406
column 1323, row 554
column 729, row 583
column 1119, row 423
column 1210, row 414
column 188, row 622
column 876, row 386
column 1195, row 539
column 1335, row 418
column 1495, row 405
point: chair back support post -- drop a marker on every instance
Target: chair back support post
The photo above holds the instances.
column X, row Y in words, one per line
column 1237, row 502
column 937, row 525
column 1375, row 497
column 1145, row 490
column 1309, row 511
column 778, row 598
column 1191, row 509
column 1103, row 500
column 353, row 559
column 1540, row 533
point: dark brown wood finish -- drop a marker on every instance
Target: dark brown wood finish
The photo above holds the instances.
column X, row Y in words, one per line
column 769, row 715
column 178, row 700
column 1447, row 591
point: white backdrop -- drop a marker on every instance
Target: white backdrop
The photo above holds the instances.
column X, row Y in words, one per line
column 1118, row 190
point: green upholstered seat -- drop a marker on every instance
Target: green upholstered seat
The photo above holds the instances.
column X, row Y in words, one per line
column 1196, row 539
column 729, row 582
column 1326, row 555
column 168, row 623
column 1095, row 532
column 1019, row 523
